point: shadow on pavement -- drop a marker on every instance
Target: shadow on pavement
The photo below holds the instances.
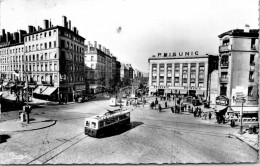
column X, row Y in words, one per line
column 122, row 129
column 4, row 137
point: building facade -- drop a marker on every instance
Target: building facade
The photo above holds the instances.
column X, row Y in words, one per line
column 184, row 73
column 239, row 68
column 53, row 57
column 100, row 68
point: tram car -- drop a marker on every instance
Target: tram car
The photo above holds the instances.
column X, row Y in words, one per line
column 99, row 125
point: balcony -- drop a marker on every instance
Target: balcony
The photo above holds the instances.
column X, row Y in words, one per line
column 224, row 64
column 223, row 79
column 225, row 48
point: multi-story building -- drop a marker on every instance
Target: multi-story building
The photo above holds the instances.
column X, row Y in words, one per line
column 52, row 56
column 11, row 55
column 100, row 68
column 183, row 73
column 239, row 68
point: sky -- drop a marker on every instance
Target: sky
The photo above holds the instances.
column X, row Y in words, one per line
column 134, row 30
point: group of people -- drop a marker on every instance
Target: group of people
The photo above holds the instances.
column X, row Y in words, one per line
column 198, row 113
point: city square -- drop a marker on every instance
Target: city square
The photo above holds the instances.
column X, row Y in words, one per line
column 114, row 82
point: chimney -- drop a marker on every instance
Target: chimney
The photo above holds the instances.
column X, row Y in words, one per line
column 95, row 44
column 34, row 29
column 21, row 38
column 30, row 29
column 8, row 37
column 64, row 21
column 3, row 35
column 74, row 29
column 69, row 25
column 88, row 46
column 16, row 37
column 99, row 46
column 247, row 28
column 50, row 25
column 45, row 24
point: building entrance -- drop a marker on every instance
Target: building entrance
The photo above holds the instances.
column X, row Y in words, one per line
column 192, row 93
column 160, row 92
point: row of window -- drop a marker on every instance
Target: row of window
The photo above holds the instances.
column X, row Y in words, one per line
column 41, row 46
column 10, row 51
column 40, row 35
column 69, row 45
column 176, row 84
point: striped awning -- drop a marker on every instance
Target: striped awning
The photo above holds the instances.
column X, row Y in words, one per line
column 49, row 91
column 40, row 89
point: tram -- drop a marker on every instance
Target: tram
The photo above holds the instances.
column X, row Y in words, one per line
column 98, row 125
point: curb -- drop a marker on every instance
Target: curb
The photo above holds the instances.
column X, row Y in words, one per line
column 252, row 146
column 27, row 127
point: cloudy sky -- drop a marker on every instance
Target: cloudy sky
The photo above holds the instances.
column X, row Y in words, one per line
column 134, row 30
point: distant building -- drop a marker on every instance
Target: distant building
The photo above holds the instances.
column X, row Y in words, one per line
column 100, row 68
column 239, row 68
column 183, row 73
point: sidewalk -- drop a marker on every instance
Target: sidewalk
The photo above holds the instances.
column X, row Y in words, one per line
column 15, row 125
column 250, row 139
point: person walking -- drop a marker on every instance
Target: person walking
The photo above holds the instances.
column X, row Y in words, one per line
column 160, row 108
column 156, row 102
column 166, row 105
column 209, row 115
column 144, row 103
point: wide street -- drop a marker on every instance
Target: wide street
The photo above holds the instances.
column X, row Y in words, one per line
column 152, row 137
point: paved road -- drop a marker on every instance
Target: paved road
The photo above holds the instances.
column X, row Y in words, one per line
column 152, row 137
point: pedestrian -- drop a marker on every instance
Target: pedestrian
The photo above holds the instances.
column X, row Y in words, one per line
column 172, row 109
column 144, row 103
column 152, row 105
column 166, row 105
column 160, row 108
column 209, row 115
column 199, row 112
column 195, row 112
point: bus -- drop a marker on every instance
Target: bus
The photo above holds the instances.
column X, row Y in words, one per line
column 99, row 125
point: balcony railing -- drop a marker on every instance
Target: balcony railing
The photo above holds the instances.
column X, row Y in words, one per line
column 223, row 79
column 224, row 64
column 225, row 48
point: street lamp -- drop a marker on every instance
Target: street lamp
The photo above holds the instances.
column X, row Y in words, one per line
column 241, row 114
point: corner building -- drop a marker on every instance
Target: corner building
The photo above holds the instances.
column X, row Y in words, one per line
column 52, row 57
column 239, row 69
column 185, row 73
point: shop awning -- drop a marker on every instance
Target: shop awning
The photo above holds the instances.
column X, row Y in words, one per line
column 247, row 110
column 199, row 92
column 152, row 90
column 183, row 91
column 40, row 89
column 49, row 91
column 168, row 91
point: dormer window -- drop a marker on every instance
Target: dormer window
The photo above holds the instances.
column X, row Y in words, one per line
column 225, row 41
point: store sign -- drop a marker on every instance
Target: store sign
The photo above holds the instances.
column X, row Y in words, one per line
column 194, row 88
column 185, row 53
column 161, row 87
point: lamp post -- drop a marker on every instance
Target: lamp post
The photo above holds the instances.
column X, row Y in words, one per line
column 241, row 115
column 26, row 108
